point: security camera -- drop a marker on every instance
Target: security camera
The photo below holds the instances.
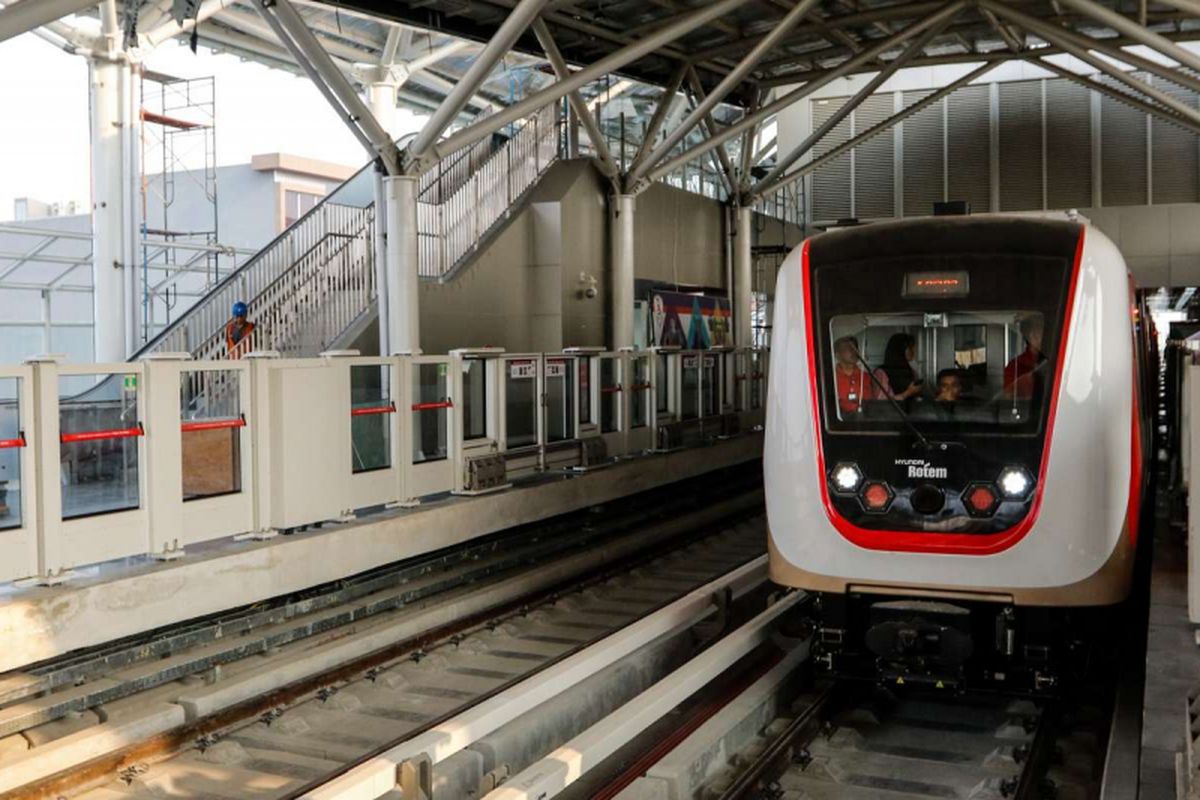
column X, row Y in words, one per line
column 588, row 285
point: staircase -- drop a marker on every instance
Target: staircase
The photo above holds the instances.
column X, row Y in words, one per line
column 316, row 280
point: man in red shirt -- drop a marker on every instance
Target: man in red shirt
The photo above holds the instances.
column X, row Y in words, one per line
column 853, row 382
column 1019, row 374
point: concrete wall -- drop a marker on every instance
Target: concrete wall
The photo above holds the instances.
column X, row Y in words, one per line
column 1161, row 244
column 680, row 237
column 525, row 289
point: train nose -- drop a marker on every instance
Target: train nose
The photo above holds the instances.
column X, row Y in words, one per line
column 927, row 499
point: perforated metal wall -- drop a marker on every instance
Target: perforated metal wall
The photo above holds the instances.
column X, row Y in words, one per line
column 874, row 161
column 1068, row 145
column 924, row 167
column 1025, row 145
column 832, row 184
column 968, row 147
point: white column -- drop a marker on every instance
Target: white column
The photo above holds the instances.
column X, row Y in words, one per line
column 743, row 278
column 403, row 285
column 381, row 265
column 381, row 97
column 621, row 229
column 111, row 84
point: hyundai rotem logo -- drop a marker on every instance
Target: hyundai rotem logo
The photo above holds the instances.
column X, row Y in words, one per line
column 919, row 468
column 926, row 471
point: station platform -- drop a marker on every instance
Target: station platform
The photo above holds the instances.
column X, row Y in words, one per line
column 122, row 598
column 1172, row 668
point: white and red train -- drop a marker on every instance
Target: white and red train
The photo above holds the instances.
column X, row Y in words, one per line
column 958, row 432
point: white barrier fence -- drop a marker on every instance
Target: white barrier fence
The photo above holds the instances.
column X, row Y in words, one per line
column 168, row 452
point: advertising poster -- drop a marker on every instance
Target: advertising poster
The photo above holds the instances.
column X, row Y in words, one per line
column 689, row 321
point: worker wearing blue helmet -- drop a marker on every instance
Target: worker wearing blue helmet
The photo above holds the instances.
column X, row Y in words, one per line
column 237, row 331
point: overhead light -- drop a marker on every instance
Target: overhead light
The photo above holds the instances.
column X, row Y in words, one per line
column 1015, row 483
column 846, row 478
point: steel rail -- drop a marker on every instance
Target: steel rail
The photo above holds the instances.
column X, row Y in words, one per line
column 626, row 552
column 1037, row 758
column 442, row 738
column 803, row 728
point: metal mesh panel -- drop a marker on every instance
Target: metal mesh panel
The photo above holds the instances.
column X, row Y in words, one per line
column 924, row 158
column 1020, row 146
column 1122, row 153
column 1174, row 156
column 968, row 157
column 1068, row 145
column 874, row 161
column 831, row 183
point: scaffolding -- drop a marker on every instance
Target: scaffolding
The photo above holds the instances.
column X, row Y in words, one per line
column 179, row 201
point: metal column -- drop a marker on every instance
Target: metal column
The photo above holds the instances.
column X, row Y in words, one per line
column 380, row 251
column 111, row 84
column 622, row 270
column 743, row 277
column 403, row 283
column 381, row 97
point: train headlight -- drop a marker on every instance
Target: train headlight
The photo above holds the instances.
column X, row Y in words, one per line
column 1015, row 483
column 846, row 478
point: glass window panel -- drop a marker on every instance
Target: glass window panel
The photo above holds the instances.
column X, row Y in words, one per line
column 637, row 400
column 430, row 413
column 474, row 402
column 10, row 457
column 662, row 390
column 712, row 389
column 211, row 439
column 520, row 410
column 370, row 417
column 19, row 342
column 585, row 391
column 689, row 406
column 610, row 395
column 757, row 379
column 74, row 341
column 560, row 399
column 99, row 475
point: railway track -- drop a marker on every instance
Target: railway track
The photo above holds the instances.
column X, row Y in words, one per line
column 921, row 746
column 273, row 702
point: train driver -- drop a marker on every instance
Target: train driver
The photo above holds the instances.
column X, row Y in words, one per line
column 852, row 378
column 1021, row 375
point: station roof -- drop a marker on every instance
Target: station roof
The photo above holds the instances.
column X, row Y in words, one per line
column 832, row 31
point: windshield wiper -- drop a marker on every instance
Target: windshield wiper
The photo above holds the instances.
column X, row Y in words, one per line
column 895, row 404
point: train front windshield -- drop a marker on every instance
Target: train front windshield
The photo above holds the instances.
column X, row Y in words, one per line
column 949, row 344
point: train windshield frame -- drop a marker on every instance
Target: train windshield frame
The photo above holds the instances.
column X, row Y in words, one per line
column 975, row 354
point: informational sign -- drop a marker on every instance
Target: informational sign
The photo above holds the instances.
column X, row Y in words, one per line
column 691, row 362
column 937, row 284
column 522, row 370
column 689, row 321
column 556, row 368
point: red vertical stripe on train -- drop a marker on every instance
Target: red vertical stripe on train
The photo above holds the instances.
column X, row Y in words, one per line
column 921, row 541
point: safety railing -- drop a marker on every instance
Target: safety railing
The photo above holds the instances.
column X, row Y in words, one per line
column 168, row 452
column 316, row 257
column 451, row 172
column 452, row 229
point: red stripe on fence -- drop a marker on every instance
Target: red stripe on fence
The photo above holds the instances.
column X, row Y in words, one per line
column 609, row 389
column 369, row 410
column 94, row 436
column 212, row 424
column 432, row 406
column 18, row 442
column 636, row 386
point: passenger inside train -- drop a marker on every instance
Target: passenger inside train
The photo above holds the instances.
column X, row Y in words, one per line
column 971, row 353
